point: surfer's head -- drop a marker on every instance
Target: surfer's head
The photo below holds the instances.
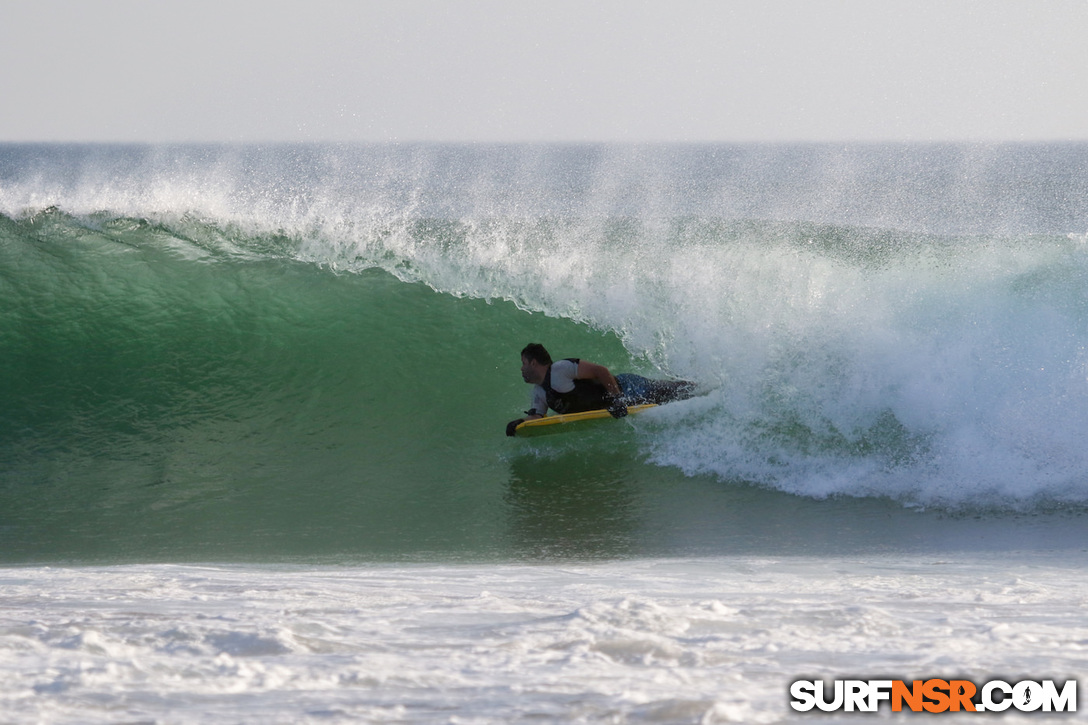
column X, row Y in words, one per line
column 535, row 351
column 534, row 363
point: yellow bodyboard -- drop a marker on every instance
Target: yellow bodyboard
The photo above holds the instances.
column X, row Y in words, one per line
column 552, row 424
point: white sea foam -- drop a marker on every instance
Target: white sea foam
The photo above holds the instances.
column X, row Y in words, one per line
column 670, row 641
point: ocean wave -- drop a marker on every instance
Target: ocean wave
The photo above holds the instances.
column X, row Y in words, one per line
column 212, row 324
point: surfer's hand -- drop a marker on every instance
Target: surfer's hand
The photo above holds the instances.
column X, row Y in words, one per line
column 617, row 408
column 513, row 425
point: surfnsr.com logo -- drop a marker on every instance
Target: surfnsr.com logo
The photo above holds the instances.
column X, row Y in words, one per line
column 934, row 696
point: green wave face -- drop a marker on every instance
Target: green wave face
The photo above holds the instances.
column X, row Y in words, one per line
column 228, row 406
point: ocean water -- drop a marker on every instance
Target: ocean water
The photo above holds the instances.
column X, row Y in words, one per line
column 252, row 462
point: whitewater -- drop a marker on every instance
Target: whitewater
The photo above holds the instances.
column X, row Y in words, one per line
column 252, row 462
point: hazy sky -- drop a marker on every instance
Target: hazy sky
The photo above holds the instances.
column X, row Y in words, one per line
column 549, row 70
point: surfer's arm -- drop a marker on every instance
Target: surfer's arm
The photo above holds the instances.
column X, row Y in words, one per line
column 599, row 374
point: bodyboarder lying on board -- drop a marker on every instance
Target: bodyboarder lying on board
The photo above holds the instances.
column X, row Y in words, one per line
column 573, row 386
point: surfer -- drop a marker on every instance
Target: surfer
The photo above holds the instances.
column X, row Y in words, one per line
column 574, row 385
